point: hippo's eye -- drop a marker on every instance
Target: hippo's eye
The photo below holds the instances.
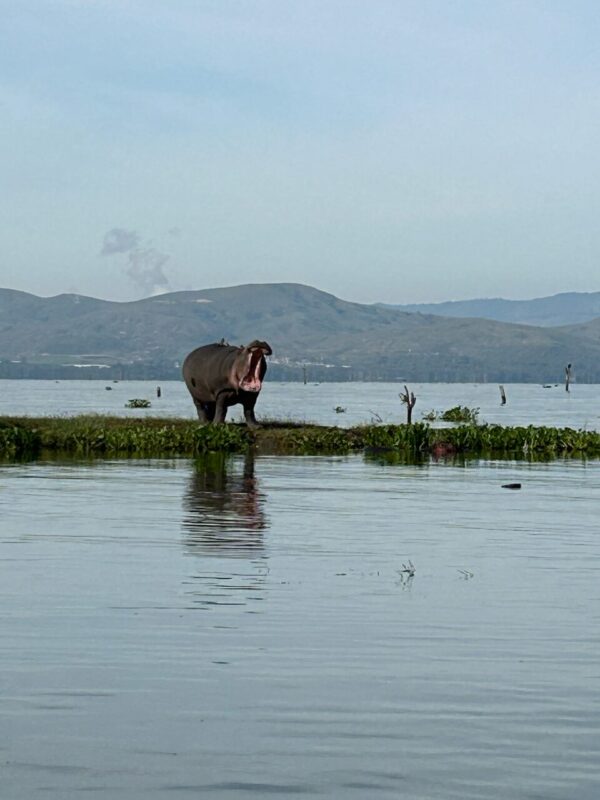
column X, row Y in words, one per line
column 193, row 382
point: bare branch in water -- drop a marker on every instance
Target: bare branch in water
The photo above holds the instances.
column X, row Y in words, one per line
column 409, row 400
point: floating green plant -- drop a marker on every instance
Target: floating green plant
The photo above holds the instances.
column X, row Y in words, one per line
column 96, row 435
column 460, row 414
column 155, row 437
column 16, row 441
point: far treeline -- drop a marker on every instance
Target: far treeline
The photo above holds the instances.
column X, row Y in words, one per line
column 311, row 373
column 314, row 336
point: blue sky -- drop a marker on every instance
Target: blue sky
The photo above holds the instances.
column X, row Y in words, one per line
column 393, row 151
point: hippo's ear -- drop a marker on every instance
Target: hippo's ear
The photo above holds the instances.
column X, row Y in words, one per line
column 257, row 345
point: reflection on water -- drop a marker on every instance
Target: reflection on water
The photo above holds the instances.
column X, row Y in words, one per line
column 223, row 516
column 386, row 630
column 224, row 507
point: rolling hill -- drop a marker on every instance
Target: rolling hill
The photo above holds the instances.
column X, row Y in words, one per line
column 339, row 340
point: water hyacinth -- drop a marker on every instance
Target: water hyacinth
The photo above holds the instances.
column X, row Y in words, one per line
column 16, row 441
column 108, row 436
column 138, row 402
column 460, row 414
column 91, row 435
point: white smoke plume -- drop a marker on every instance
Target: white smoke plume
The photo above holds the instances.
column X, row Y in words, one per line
column 119, row 240
column 144, row 263
column 145, row 269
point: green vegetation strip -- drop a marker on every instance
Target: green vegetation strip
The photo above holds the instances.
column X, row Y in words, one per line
column 108, row 436
column 105, row 436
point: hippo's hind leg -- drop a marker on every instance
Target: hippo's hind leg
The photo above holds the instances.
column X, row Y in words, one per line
column 220, row 411
column 205, row 411
column 200, row 411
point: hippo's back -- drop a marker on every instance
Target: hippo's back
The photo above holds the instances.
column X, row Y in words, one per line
column 206, row 369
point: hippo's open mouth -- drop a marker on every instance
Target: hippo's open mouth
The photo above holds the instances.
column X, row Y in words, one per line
column 251, row 380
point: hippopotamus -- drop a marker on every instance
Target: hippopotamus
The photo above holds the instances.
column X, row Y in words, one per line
column 220, row 375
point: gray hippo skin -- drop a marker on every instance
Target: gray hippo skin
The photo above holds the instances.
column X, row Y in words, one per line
column 219, row 375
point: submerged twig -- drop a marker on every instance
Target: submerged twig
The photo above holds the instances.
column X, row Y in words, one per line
column 406, row 574
column 410, row 569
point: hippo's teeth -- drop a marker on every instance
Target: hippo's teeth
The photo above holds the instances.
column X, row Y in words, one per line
column 249, row 385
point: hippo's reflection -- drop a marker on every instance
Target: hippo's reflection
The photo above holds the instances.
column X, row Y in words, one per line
column 223, row 507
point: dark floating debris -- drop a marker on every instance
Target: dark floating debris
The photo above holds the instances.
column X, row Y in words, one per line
column 511, row 485
column 108, row 388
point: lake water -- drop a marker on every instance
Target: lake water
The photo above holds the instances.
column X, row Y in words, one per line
column 527, row 404
column 240, row 627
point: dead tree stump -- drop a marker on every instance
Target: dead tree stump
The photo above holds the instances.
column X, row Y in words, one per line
column 409, row 400
column 567, row 377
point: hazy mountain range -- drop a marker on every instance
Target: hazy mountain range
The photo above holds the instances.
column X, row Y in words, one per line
column 72, row 335
column 569, row 308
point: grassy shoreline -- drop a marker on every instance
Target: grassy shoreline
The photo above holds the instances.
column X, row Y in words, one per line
column 103, row 436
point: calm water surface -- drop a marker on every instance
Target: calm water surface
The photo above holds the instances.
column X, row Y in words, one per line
column 528, row 404
column 239, row 628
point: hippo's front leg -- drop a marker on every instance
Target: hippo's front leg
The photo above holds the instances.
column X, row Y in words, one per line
column 249, row 403
column 251, row 421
